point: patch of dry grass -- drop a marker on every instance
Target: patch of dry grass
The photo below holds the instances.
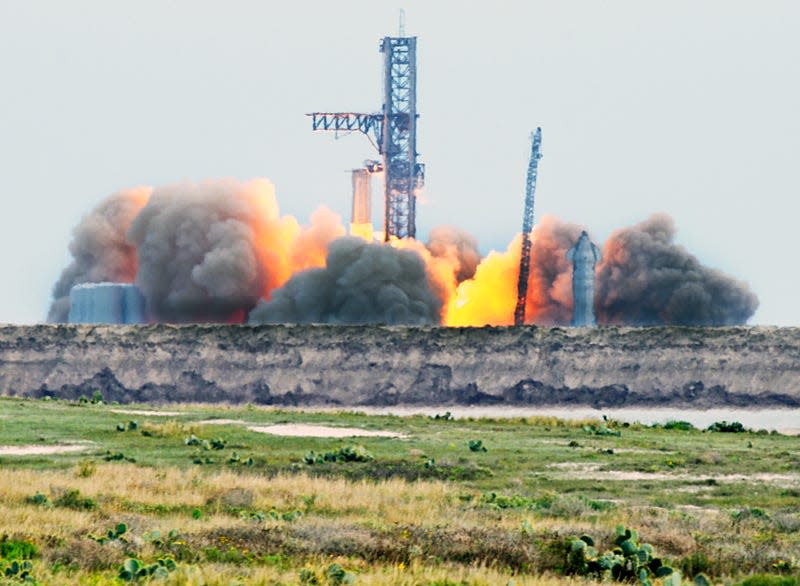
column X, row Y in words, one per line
column 171, row 428
column 366, row 575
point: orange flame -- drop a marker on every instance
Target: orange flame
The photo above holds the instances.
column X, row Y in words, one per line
column 489, row 298
column 282, row 246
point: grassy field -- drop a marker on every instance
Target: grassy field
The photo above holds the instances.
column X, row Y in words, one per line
column 450, row 502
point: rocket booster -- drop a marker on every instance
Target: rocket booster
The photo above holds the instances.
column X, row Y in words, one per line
column 583, row 256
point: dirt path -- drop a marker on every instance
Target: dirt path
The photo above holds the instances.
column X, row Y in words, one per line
column 146, row 413
column 304, row 430
column 32, row 450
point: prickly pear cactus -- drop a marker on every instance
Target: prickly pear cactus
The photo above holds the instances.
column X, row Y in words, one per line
column 628, row 561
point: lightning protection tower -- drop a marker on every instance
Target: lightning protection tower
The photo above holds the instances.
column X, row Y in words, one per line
column 527, row 227
column 393, row 131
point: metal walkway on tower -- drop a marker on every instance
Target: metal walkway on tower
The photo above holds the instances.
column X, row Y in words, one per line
column 393, row 132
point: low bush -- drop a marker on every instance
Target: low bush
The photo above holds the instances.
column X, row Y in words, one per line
column 11, row 549
column 167, row 429
column 345, row 454
column 447, row 416
column 72, row 499
column 130, row 426
column 769, row 580
column 726, row 427
column 476, row 446
column 336, row 574
column 213, row 444
column 549, row 504
column 38, row 499
column 86, row 469
column 118, row 457
column 601, row 430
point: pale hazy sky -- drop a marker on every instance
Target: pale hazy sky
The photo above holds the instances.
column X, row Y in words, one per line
column 689, row 107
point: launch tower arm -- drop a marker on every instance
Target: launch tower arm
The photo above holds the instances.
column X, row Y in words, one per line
column 393, row 132
column 369, row 124
column 527, row 227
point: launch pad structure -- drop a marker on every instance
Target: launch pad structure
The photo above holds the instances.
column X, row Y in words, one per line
column 527, row 227
column 393, row 131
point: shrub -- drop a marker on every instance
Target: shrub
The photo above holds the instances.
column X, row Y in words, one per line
column 601, row 430
column 336, row 574
column 678, row 425
column 769, row 580
column 117, row 457
column 308, row 576
column 695, row 563
column 16, row 550
column 726, row 427
column 167, row 429
column 38, row 499
column 214, row 444
column 235, row 459
column 750, row 513
column 86, row 469
column 476, row 446
column 72, row 499
column 345, row 454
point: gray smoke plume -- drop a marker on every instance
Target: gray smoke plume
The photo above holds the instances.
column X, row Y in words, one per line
column 458, row 246
column 361, row 283
column 647, row 279
column 550, row 281
column 197, row 253
column 98, row 247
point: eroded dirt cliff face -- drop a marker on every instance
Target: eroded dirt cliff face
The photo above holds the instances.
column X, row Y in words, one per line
column 374, row 365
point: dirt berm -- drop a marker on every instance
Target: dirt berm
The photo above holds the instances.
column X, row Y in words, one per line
column 375, row 365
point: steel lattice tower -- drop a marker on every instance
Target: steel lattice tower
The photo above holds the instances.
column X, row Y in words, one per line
column 527, row 227
column 394, row 132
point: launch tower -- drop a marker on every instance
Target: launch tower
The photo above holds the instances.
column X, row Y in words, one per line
column 527, row 227
column 393, row 131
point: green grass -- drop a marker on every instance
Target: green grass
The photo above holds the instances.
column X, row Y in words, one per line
column 521, row 455
column 731, row 500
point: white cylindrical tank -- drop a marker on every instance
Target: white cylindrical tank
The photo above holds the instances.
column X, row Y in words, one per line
column 106, row 303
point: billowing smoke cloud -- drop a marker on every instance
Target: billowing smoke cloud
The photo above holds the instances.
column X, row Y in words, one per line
column 214, row 251
column 646, row 279
column 490, row 296
column 550, row 282
column 360, row 283
column 209, row 251
column 99, row 249
column 458, row 247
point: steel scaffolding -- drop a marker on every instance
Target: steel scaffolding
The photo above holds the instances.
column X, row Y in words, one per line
column 527, row 227
column 393, row 132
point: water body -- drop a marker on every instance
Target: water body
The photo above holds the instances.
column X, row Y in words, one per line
column 782, row 420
